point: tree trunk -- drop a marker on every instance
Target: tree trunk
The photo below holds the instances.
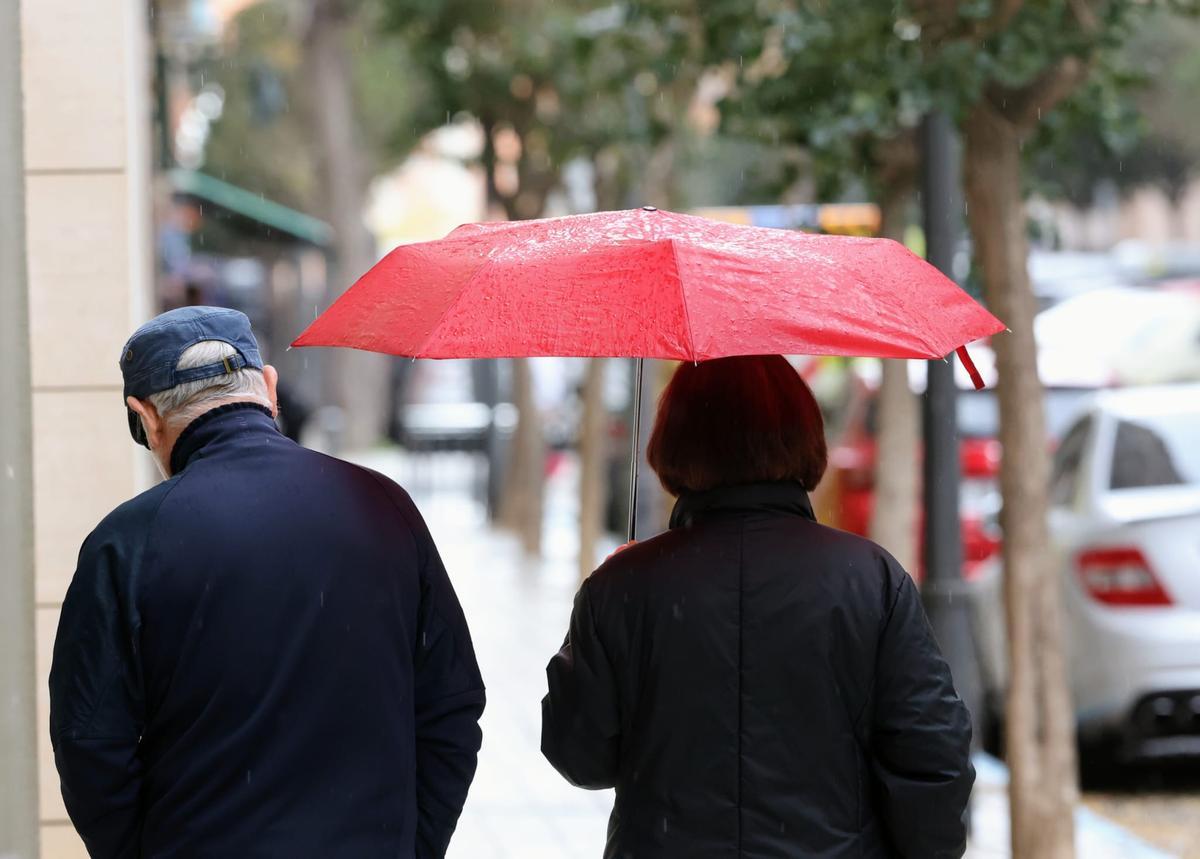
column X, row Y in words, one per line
column 611, row 183
column 659, row 174
column 894, row 515
column 495, row 203
column 1040, row 721
column 356, row 381
column 521, row 506
column 593, row 445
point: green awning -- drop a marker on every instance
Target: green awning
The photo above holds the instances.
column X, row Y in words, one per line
column 251, row 206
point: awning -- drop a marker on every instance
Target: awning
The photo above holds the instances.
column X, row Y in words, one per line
column 268, row 215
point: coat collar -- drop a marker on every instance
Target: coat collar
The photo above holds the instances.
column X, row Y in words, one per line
column 782, row 497
column 217, row 425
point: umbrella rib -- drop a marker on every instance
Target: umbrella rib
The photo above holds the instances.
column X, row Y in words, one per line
column 451, row 305
column 687, row 315
column 934, row 351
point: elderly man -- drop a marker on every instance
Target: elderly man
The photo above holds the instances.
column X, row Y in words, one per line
column 262, row 656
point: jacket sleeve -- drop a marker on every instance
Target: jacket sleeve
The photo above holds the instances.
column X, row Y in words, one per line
column 449, row 701
column 581, row 733
column 96, row 703
column 920, row 736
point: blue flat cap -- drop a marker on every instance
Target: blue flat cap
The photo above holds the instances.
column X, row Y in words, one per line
column 149, row 357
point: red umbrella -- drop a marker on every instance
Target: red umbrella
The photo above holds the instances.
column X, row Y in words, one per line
column 645, row 283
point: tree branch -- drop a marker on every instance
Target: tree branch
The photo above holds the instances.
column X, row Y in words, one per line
column 1024, row 107
column 1002, row 15
column 1084, row 15
column 938, row 19
column 897, row 160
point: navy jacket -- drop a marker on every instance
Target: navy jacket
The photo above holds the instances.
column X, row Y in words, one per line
column 758, row 686
column 263, row 657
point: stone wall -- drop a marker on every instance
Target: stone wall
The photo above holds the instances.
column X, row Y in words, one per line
column 85, row 69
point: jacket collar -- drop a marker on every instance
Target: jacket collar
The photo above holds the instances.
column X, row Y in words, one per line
column 218, row 424
column 782, row 497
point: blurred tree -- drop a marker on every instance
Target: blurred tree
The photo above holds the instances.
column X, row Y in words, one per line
column 360, row 381
column 495, row 62
column 1132, row 125
column 840, row 85
column 608, row 82
column 259, row 141
column 1003, row 67
column 262, row 142
column 593, row 452
column 840, row 78
column 316, row 104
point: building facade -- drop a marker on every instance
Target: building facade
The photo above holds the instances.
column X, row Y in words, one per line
column 76, row 255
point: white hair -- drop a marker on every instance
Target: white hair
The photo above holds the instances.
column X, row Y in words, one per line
column 181, row 405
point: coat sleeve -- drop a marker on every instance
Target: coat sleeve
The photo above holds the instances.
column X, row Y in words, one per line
column 449, row 701
column 581, row 733
column 920, row 736
column 96, row 704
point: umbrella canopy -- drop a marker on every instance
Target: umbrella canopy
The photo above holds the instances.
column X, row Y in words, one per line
column 647, row 283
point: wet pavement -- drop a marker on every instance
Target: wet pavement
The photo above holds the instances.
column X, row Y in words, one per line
column 518, row 608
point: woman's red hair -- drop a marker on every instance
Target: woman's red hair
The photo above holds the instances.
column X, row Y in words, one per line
column 737, row 420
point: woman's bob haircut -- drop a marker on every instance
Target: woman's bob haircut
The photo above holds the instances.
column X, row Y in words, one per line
column 737, row 420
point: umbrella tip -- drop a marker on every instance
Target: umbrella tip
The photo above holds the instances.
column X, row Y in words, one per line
column 649, row 208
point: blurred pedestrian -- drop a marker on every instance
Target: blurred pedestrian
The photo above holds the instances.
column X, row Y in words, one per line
column 293, row 413
column 262, row 655
column 752, row 683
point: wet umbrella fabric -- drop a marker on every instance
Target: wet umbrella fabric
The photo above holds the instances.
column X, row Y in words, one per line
column 646, row 283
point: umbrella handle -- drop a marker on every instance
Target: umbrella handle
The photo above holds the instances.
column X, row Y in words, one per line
column 630, row 532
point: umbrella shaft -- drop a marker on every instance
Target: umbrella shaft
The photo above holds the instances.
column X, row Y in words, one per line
column 634, row 453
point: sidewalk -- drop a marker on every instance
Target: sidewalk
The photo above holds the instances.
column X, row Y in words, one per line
column 519, row 807
column 1095, row 836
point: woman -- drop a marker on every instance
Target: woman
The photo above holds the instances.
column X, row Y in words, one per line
column 752, row 683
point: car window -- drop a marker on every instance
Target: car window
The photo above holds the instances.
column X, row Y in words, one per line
column 1162, row 450
column 1064, row 477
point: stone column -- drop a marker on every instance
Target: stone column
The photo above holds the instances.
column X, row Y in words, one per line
column 18, row 732
column 85, row 69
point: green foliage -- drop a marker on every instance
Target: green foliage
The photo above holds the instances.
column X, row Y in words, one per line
column 839, row 79
column 834, row 80
column 613, row 81
column 262, row 141
column 1133, row 124
column 570, row 79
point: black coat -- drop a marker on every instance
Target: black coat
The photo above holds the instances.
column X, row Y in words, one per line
column 757, row 685
column 263, row 657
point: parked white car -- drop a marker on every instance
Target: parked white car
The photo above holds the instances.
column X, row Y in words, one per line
column 1125, row 522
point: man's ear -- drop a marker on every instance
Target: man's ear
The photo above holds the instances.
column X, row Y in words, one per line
column 151, row 422
column 271, row 377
